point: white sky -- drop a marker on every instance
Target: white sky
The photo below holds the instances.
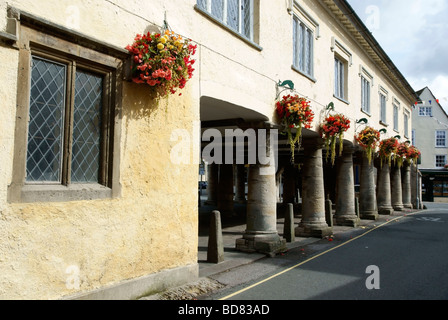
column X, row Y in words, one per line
column 414, row 34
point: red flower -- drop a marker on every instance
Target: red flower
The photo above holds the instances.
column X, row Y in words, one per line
column 171, row 65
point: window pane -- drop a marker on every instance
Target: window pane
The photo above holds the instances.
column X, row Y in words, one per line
column 336, row 77
column 309, row 52
column 295, row 43
column 218, row 9
column 440, row 138
column 406, row 124
column 440, row 161
column 45, row 129
column 202, row 4
column 383, row 108
column 341, row 80
column 233, row 14
column 365, row 95
column 395, row 117
column 247, row 18
column 87, row 127
column 301, row 46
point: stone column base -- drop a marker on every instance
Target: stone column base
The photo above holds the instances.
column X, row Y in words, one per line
column 313, row 231
column 398, row 207
column 386, row 211
column 408, row 206
column 268, row 245
column 347, row 221
column 369, row 215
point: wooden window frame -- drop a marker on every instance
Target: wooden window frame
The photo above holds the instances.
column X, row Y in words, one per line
column 48, row 45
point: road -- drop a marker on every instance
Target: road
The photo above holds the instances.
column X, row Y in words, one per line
column 403, row 259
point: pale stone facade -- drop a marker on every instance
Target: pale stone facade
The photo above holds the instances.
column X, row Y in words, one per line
column 141, row 232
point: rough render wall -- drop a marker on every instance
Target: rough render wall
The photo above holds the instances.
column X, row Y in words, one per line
column 47, row 248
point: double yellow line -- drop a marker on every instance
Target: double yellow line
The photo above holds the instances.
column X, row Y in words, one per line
column 314, row 257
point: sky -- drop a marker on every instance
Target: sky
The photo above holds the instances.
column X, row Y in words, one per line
column 414, row 34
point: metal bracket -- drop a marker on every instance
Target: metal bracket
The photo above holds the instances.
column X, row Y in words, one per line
column 287, row 85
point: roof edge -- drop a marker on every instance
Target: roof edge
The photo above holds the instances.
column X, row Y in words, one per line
column 350, row 14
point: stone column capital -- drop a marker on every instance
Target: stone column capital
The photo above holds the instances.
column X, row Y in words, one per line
column 312, row 144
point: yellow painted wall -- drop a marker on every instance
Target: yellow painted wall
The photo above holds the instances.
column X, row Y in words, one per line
column 47, row 248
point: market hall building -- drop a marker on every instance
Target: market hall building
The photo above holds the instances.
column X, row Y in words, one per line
column 93, row 201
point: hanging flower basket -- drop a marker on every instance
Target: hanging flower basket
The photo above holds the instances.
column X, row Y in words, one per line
column 368, row 140
column 294, row 113
column 334, row 127
column 388, row 148
column 402, row 151
column 408, row 153
column 413, row 154
column 162, row 61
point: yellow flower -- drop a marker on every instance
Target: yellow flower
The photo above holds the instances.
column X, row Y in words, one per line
column 163, row 40
column 160, row 46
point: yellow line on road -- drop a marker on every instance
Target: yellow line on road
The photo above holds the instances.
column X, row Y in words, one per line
column 312, row 258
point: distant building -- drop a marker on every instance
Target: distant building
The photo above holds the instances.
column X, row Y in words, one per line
column 430, row 136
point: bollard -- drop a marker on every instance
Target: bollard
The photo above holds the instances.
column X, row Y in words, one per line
column 288, row 227
column 215, row 250
column 357, row 206
column 329, row 212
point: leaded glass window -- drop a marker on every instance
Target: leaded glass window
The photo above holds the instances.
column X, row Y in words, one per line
column 86, row 127
column 236, row 14
column 46, row 121
column 65, row 124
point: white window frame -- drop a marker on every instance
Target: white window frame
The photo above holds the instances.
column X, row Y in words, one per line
column 406, row 117
column 396, row 117
column 425, row 111
column 383, row 107
column 206, row 5
column 438, row 160
column 441, row 136
column 339, row 78
column 365, row 94
column 303, row 49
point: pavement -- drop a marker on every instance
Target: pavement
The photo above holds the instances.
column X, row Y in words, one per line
column 233, row 228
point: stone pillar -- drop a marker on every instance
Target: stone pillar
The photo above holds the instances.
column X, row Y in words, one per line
column 345, row 214
column 240, row 183
column 367, row 194
column 313, row 223
column 215, row 248
column 416, row 182
column 212, row 184
column 395, row 184
column 384, row 191
column 225, row 193
column 261, row 232
column 406, row 185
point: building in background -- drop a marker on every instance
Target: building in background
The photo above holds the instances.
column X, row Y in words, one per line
column 430, row 136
